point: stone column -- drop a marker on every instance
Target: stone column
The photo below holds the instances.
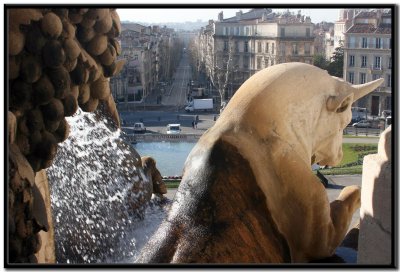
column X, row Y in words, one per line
column 375, row 238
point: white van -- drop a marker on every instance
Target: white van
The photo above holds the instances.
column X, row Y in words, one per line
column 173, row 128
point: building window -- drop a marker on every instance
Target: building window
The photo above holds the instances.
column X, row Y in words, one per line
column 294, row 49
column 259, row 47
column 378, row 43
column 272, row 62
column 225, row 31
column 362, row 78
column 351, row 60
column 282, row 32
column 364, row 43
column 226, row 45
column 259, row 63
column 363, row 61
column 237, row 31
column 352, row 42
column 307, row 49
column 307, row 32
column 351, row 77
column 390, row 63
column 389, row 81
column 236, row 60
column 247, row 31
column 272, row 50
column 283, row 49
column 236, row 46
column 375, row 76
column 267, row 48
column 246, row 61
column 377, row 64
column 266, row 62
column 246, row 46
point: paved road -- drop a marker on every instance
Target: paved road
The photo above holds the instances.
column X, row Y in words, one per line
column 177, row 94
column 156, row 122
column 361, row 140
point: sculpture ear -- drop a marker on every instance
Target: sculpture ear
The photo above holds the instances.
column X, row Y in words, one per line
column 339, row 103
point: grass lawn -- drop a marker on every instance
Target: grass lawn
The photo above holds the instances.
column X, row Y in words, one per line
column 351, row 163
column 360, row 137
column 172, row 183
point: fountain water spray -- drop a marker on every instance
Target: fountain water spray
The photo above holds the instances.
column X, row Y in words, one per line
column 98, row 193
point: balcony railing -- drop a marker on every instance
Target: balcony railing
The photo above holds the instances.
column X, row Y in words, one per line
column 368, row 46
column 376, row 68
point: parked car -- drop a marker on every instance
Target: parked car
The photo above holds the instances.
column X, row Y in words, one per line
column 386, row 113
column 139, row 127
column 362, row 124
column 173, row 128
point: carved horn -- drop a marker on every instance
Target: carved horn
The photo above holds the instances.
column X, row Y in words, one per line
column 364, row 89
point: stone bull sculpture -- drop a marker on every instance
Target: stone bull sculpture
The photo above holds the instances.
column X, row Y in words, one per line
column 248, row 194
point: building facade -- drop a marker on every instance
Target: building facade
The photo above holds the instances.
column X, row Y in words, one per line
column 150, row 54
column 240, row 46
column 368, row 56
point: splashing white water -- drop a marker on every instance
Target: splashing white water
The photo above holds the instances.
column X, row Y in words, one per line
column 98, row 195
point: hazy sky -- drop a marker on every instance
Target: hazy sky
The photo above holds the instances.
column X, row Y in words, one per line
column 165, row 15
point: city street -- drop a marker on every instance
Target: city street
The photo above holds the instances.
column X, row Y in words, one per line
column 176, row 94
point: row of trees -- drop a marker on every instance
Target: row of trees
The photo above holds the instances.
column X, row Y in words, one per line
column 219, row 67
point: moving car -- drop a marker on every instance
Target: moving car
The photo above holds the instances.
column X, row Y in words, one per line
column 362, row 124
column 173, row 128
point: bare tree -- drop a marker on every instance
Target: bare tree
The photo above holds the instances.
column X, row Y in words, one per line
column 220, row 68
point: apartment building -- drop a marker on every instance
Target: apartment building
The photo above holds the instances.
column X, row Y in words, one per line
column 343, row 24
column 251, row 41
column 147, row 51
column 368, row 56
column 324, row 39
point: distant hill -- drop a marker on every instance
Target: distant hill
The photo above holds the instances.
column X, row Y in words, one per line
column 186, row 26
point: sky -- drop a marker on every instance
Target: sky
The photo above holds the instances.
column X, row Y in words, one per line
column 204, row 14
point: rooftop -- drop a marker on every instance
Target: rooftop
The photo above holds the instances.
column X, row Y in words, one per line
column 370, row 29
column 250, row 15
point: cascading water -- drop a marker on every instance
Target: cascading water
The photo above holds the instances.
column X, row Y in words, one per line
column 100, row 195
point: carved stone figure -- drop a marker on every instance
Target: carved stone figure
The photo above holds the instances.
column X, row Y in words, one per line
column 248, row 194
column 156, row 184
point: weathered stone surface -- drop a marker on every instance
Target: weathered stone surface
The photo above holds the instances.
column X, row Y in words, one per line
column 43, row 50
column 375, row 237
column 46, row 253
column 23, row 242
column 12, row 127
column 156, row 184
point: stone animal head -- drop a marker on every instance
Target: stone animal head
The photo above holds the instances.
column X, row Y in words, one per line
column 335, row 116
column 301, row 102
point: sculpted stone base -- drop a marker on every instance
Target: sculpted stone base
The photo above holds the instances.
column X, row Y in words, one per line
column 375, row 238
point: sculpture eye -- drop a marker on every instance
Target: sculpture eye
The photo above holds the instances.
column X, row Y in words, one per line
column 343, row 106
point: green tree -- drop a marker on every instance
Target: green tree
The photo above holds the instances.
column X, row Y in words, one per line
column 335, row 67
column 320, row 61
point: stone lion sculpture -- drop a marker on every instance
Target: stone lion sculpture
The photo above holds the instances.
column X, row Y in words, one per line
column 248, row 194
